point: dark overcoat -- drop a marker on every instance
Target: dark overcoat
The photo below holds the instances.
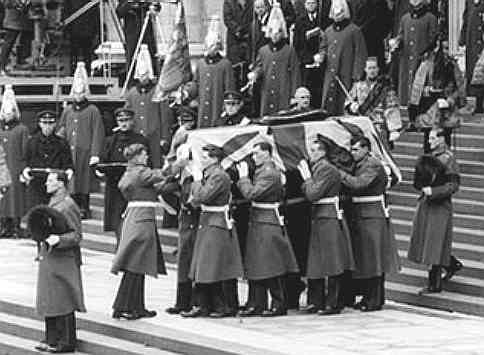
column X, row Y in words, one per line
column 213, row 76
column 344, row 53
column 471, row 36
column 277, row 68
column 114, row 201
column 82, row 126
column 153, row 120
column 139, row 249
column 216, row 255
column 45, row 152
column 13, row 138
column 59, row 283
column 431, row 240
column 5, row 177
column 373, row 239
column 330, row 251
column 238, row 21
column 268, row 250
column 418, row 30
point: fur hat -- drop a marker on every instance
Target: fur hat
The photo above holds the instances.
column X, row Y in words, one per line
column 42, row 221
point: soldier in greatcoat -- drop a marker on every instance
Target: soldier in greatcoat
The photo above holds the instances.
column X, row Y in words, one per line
column 139, row 252
column 276, row 67
column 59, row 284
column 82, row 125
column 417, row 31
column 213, row 76
column 431, row 240
column 374, row 245
column 112, row 153
column 13, row 137
column 342, row 54
column 330, row 253
column 153, row 120
column 233, row 114
column 45, row 150
column 268, row 250
column 472, row 38
column 216, row 256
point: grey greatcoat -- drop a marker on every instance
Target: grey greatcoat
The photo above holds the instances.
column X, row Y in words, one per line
column 374, row 245
column 330, row 252
column 82, row 126
column 216, row 255
column 431, row 240
column 13, row 138
column 59, row 283
column 139, row 249
column 268, row 251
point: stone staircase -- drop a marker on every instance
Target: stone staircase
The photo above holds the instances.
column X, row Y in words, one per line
column 464, row 293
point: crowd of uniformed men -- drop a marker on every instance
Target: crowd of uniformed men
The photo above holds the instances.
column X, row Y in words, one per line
column 338, row 239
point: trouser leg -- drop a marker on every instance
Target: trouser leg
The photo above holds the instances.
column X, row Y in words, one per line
column 347, row 292
column 333, row 299
column 373, row 293
column 217, row 297
column 204, row 297
column 316, row 294
column 51, row 336
column 276, row 290
column 260, row 300
column 294, row 287
column 435, row 278
column 231, row 296
column 130, row 296
column 66, row 329
column 251, row 301
column 184, row 295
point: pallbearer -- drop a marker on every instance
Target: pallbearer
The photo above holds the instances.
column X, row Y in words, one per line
column 82, row 126
column 113, row 164
column 330, row 253
column 139, row 252
column 216, row 256
column 268, row 255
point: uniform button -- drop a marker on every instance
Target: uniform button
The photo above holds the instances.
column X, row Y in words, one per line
column 205, row 117
column 273, row 77
column 5, row 140
column 141, row 131
column 332, row 85
column 332, row 70
column 142, row 103
column 330, row 99
column 199, row 227
column 207, row 88
column 73, row 133
column 334, row 56
column 274, row 62
column 411, row 43
column 412, row 28
column 72, row 148
column 120, row 150
column 271, row 106
column 273, row 92
column 189, row 213
column 208, row 74
column 75, row 121
column 207, row 103
column 191, row 226
column 411, row 57
column 335, row 41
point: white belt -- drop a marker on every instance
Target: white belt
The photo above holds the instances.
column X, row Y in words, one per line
column 331, row 201
column 133, row 204
column 270, row 206
column 369, row 199
column 222, row 209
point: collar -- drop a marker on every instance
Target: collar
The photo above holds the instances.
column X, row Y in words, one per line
column 339, row 26
column 234, row 119
column 277, row 46
column 144, row 88
column 44, row 138
column 57, row 198
column 7, row 126
column 78, row 106
column 213, row 59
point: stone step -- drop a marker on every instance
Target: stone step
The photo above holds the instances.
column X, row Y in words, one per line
column 461, row 206
column 469, row 236
column 459, row 220
column 466, row 166
column 461, row 139
column 461, row 152
column 88, row 341
column 446, row 300
column 465, row 193
column 472, row 128
column 468, row 180
column 17, row 345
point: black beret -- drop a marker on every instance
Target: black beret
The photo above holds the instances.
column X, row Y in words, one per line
column 47, row 116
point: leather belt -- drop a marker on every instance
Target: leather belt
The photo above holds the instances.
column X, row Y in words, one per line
column 270, row 206
column 219, row 209
column 370, row 199
column 133, row 204
column 331, row 201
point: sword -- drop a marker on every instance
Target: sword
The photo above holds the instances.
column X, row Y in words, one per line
column 343, row 87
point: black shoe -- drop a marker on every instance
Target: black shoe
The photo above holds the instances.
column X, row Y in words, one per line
column 359, row 305
column 429, row 290
column 61, row 349
column 194, row 313
column 146, row 313
column 175, row 310
column 85, row 214
column 366, row 308
column 42, row 346
column 450, row 271
column 274, row 312
column 329, row 311
column 309, row 309
column 117, row 314
column 250, row 312
column 221, row 314
column 129, row 315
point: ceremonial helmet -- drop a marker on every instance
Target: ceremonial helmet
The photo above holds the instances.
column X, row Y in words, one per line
column 276, row 21
column 9, row 103
column 80, row 84
column 144, row 66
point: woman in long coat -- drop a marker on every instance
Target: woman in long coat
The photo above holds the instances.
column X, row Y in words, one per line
column 139, row 252
column 13, row 137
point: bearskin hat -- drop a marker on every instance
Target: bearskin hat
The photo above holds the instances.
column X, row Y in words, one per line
column 42, row 221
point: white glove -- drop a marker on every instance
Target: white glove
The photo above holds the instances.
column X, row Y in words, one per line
column 251, row 76
column 93, row 160
column 318, row 58
column 26, row 177
column 303, row 168
column 53, row 240
column 442, row 103
column 354, row 107
column 427, row 190
column 197, row 173
column 394, row 136
column 243, row 169
column 183, row 152
column 393, row 44
column 70, row 174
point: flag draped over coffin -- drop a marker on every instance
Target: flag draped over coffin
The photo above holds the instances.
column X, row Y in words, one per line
column 291, row 142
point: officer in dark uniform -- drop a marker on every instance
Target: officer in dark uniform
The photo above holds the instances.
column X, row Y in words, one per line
column 45, row 150
column 112, row 166
column 233, row 114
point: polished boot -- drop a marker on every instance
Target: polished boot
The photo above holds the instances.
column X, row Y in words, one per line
column 183, row 298
column 294, row 287
column 316, row 296
column 334, row 303
column 373, row 295
column 434, row 281
column 455, row 266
